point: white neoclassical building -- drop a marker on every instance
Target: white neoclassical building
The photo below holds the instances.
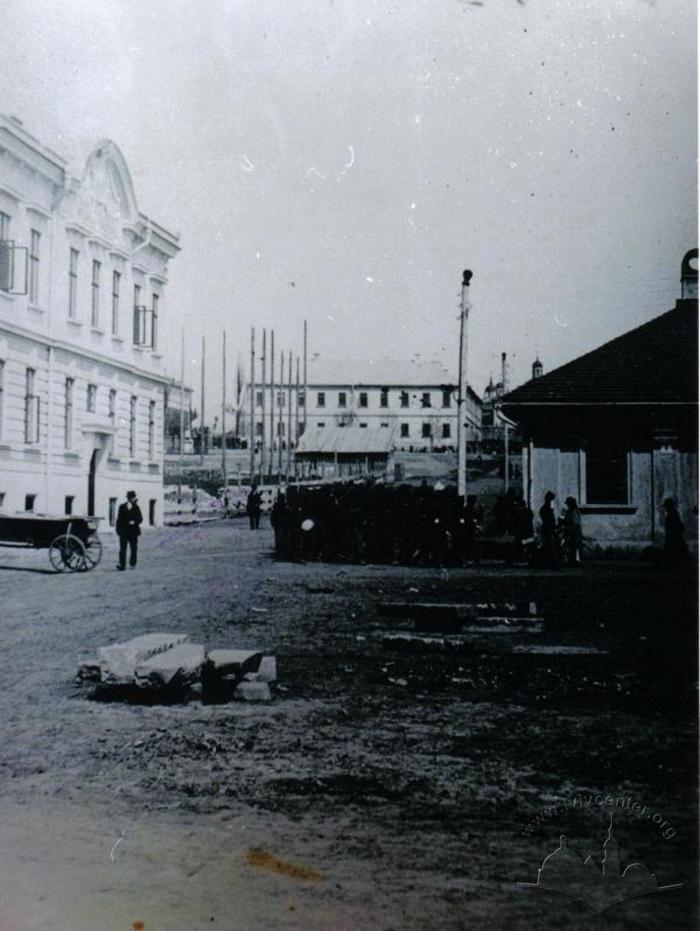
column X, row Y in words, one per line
column 83, row 275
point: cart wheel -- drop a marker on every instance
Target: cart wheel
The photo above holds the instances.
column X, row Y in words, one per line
column 67, row 553
column 93, row 553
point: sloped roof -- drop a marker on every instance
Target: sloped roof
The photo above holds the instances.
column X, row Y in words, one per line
column 334, row 439
column 654, row 363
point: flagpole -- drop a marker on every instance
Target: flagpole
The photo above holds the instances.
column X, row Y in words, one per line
column 252, row 403
column 263, row 376
column 462, row 388
column 223, row 418
column 182, row 413
column 201, row 420
column 272, row 402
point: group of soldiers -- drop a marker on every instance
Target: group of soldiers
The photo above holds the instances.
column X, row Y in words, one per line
column 408, row 525
column 375, row 523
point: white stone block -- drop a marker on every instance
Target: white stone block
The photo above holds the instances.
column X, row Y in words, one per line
column 267, row 671
column 118, row 662
column 253, row 691
column 226, row 662
column 183, row 662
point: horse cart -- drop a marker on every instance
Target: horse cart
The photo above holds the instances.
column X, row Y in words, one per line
column 72, row 542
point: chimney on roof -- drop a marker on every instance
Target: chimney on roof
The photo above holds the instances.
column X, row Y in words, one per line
column 689, row 276
column 537, row 368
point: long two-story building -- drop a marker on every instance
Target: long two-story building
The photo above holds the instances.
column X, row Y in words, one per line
column 415, row 400
column 83, row 275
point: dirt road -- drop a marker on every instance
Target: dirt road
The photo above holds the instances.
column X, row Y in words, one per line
column 399, row 790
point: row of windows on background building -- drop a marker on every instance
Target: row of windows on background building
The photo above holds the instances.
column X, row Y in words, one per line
column 404, row 429
column 32, row 412
column 69, row 504
column 145, row 319
column 426, row 399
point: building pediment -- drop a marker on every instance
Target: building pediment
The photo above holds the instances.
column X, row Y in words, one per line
column 104, row 201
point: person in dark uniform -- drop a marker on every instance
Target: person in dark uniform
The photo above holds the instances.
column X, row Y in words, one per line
column 548, row 529
column 675, row 547
column 129, row 519
column 253, row 507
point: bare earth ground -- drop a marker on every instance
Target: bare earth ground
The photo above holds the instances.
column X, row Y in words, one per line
column 404, row 779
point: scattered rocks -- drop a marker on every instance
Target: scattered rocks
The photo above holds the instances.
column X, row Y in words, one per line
column 167, row 668
column 118, row 662
column 181, row 664
column 253, row 691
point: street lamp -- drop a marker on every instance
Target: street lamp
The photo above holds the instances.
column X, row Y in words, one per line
column 462, row 388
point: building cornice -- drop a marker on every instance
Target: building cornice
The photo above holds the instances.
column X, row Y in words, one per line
column 84, row 353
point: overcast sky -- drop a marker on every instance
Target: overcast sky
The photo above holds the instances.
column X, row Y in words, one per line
column 343, row 161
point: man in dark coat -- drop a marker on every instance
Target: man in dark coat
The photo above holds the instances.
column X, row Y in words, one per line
column 675, row 547
column 254, row 507
column 129, row 520
column 548, row 530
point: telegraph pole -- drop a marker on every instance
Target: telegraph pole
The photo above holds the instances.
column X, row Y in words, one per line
column 272, row 402
column 289, row 418
column 296, row 418
column 262, row 398
column 462, row 389
column 306, row 356
column 280, row 415
column 251, row 434
column 201, row 419
column 504, row 373
column 223, row 420
column 182, row 413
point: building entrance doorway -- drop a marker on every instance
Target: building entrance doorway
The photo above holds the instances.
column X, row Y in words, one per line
column 91, row 483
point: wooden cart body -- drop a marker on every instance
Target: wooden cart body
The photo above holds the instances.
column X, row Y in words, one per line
column 72, row 540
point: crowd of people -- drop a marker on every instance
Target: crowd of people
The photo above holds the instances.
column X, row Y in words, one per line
column 410, row 525
column 375, row 523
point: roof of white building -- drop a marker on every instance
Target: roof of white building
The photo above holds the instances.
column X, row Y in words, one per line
column 379, row 372
column 359, row 440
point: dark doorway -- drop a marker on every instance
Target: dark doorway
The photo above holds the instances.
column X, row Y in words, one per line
column 91, row 483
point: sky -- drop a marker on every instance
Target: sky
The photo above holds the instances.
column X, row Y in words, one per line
column 342, row 161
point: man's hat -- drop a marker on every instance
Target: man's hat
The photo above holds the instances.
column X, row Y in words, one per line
column 131, row 495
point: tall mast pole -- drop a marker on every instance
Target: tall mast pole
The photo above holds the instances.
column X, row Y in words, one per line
column 182, row 412
column 306, row 357
column 201, row 419
column 263, row 375
column 251, row 434
column 296, row 418
column 504, row 375
column 223, row 417
column 272, row 401
column 462, row 389
column 289, row 418
column 280, row 413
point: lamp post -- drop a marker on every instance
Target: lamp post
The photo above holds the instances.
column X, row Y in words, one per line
column 462, row 389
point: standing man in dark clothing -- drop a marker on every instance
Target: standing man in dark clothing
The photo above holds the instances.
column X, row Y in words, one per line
column 675, row 547
column 129, row 521
column 253, row 507
column 549, row 531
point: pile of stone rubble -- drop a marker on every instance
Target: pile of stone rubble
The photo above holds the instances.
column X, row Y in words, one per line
column 168, row 667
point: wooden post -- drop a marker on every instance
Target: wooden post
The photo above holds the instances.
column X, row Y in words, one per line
column 306, row 385
column 223, row 419
column 272, row 402
column 251, row 441
column 262, row 398
column 289, row 418
column 201, row 416
column 462, row 388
